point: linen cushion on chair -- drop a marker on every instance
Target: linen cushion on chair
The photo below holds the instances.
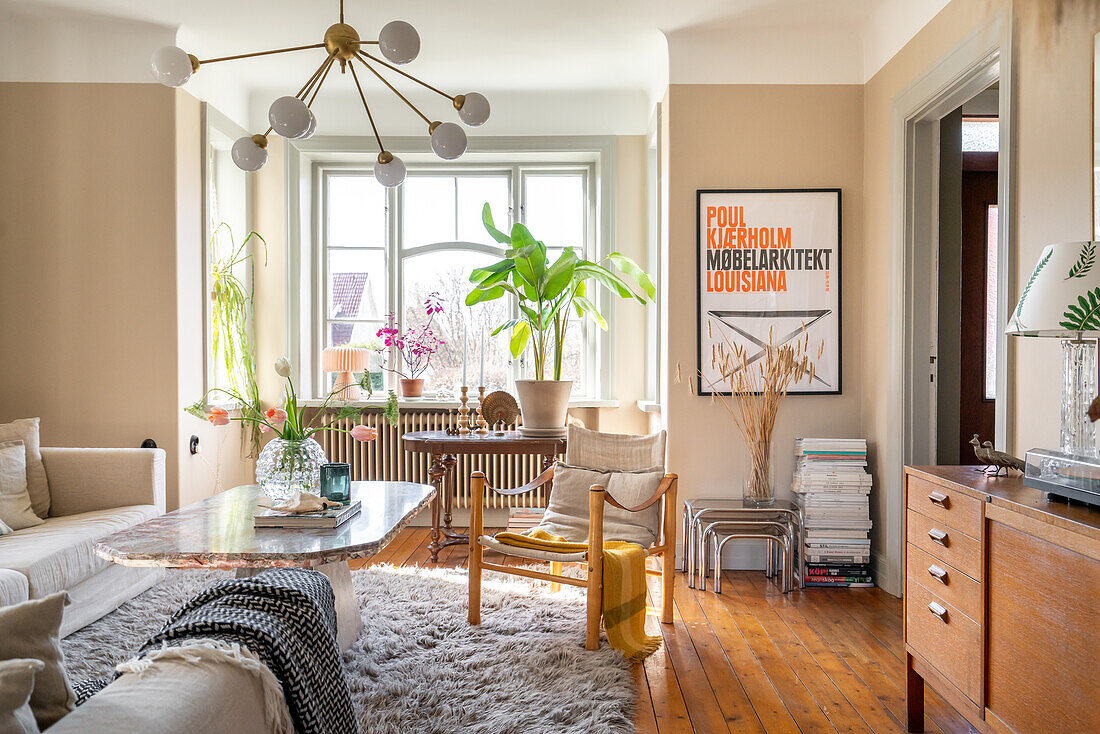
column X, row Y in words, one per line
column 567, row 514
column 614, row 451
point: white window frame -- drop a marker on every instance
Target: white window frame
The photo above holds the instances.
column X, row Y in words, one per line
column 306, row 166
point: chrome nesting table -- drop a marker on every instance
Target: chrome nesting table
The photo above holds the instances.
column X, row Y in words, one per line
column 718, row 520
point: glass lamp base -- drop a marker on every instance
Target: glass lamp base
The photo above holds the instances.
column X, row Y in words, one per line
column 1079, row 384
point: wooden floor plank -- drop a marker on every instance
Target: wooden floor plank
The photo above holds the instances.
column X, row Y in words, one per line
column 723, row 679
column 822, row 687
column 796, row 697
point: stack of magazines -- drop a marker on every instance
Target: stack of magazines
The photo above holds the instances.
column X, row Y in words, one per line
column 832, row 485
column 522, row 519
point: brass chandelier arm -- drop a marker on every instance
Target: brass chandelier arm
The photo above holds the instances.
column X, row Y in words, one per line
column 320, row 69
column 370, row 117
column 406, row 74
column 261, row 53
column 393, row 89
column 320, row 82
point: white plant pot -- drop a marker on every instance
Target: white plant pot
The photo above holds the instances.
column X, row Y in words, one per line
column 544, row 405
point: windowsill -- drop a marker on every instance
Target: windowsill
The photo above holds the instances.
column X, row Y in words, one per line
column 649, row 406
column 433, row 404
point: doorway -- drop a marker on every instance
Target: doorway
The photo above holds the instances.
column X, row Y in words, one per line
column 965, row 358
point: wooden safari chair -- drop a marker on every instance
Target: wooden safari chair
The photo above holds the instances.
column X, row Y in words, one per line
column 600, row 470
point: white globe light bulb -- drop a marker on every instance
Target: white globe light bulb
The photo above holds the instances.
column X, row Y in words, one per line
column 247, row 155
column 449, row 141
column 289, row 116
column 390, row 174
column 312, row 129
column 399, row 42
column 474, row 110
column 171, row 66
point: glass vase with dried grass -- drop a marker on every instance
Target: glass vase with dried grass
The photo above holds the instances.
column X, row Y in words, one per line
column 756, row 385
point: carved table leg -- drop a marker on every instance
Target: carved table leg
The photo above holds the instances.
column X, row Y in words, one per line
column 437, row 474
column 449, row 462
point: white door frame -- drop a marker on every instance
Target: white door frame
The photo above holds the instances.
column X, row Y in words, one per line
column 983, row 57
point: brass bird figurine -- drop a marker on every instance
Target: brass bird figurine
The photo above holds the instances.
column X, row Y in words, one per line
column 990, row 457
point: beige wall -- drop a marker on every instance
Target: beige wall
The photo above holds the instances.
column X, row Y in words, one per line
column 757, row 136
column 95, row 178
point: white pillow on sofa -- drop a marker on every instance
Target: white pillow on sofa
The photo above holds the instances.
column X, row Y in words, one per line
column 26, row 430
column 16, row 684
column 15, row 502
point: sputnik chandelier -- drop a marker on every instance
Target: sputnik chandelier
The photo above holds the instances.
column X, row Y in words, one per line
column 292, row 117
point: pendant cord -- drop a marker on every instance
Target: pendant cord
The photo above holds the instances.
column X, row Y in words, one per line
column 341, row 11
column 366, row 107
column 393, row 89
column 406, row 75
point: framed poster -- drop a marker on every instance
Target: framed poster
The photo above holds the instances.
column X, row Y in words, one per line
column 769, row 263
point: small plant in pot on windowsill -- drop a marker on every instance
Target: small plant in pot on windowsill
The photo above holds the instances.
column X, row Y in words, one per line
column 548, row 295
column 412, row 348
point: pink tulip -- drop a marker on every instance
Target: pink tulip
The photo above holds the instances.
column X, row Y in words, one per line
column 264, row 428
column 276, row 416
column 218, row 416
column 364, row 433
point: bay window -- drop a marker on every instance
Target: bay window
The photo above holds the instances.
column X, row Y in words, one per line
column 381, row 251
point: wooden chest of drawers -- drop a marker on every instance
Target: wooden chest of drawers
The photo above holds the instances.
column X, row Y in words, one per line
column 1002, row 603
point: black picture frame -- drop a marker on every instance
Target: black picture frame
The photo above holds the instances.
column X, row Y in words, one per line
column 702, row 388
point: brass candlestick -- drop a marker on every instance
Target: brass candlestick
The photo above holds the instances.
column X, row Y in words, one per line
column 464, row 413
column 482, row 424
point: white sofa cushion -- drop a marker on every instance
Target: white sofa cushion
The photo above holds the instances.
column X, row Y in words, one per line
column 15, row 503
column 58, row 554
column 13, row 587
column 16, row 684
column 26, row 430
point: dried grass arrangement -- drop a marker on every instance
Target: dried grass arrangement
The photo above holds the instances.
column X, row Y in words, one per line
column 757, row 384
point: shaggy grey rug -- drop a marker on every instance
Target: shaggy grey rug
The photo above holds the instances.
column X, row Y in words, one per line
column 419, row 666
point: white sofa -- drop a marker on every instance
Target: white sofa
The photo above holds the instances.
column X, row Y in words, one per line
column 93, row 493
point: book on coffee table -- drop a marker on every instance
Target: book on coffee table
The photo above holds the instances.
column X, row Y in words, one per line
column 330, row 518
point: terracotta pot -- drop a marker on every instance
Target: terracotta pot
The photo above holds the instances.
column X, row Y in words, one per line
column 412, row 388
column 545, row 405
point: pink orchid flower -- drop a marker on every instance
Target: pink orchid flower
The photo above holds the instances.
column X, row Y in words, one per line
column 218, row 416
column 276, row 416
column 363, row 433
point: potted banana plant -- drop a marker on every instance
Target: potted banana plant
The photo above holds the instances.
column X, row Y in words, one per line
column 548, row 295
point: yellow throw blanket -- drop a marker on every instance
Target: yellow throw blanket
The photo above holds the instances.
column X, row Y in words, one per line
column 624, row 588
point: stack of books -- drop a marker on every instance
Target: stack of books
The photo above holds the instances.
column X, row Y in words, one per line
column 331, row 518
column 832, row 485
column 521, row 519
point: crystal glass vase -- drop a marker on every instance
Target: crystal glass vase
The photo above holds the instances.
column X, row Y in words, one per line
column 759, row 487
column 287, row 466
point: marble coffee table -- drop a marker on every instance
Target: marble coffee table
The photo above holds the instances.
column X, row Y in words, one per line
column 217, row 533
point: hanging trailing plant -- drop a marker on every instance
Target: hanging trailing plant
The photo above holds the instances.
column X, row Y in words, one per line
column 231, row 343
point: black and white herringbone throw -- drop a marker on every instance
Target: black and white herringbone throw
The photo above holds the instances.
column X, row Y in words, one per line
column 287, row 618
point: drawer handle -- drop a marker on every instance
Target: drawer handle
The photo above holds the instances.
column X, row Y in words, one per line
column 938, row 573
column 938, row 536
column 939, row 611
column 939, row 498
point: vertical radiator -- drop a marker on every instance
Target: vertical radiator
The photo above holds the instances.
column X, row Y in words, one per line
column 385, row 458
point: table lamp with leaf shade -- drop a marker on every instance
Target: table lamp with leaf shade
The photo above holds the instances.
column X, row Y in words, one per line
column 345, row 361
column 1061, row 299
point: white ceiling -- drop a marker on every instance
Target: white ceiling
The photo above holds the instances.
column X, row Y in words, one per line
column 613, row 49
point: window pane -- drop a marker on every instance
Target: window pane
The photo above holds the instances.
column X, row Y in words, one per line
column 556, row 209
column 354, row 333
column 980, row 136
column 356, row 212
column 448, row 274
column 429, row 215
column 357, row 284
column 473, row 193
column 991, row 330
